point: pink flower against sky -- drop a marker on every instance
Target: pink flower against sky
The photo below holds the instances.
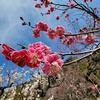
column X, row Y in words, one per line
column 52, row 64
column 71, row 5
column 60, row 30
column 70, row 39
column 6, row 51
column 35, row 45
column 89, row 39
column 40, row 46
column 42, row 26
column 35, row 56
column 38, row 5
column 51, row 9
column 57, row 17
column 36, row 32
column 51, row 33
column 46, row 3
column 45, row 49
column 19, row 57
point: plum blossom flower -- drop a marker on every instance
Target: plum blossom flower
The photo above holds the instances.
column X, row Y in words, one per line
column 36, row 52
column 94, row 87
column 6, row 51
column 35, row 56
column 40, row 46
column 51, row 9
column 48, row 12
column 89, row 39
column 45, row 49
column 52, row 64
column 42, row 26
column 38, row 5
column 46, row 3
column 69, row 40
column 78, row 36
column 57, row 17
column 19, row 57
column 36, row 32
column 51, row 33
column 60, row 30
column 71, row 5
column 35, row 45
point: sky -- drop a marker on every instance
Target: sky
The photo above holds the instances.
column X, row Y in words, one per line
column 11, row 29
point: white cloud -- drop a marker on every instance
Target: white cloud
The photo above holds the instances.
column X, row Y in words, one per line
column 10, row 24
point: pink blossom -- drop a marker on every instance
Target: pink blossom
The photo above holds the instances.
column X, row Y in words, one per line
column 35, row 45
column 51, row 9
column 95, row 8
column 19, row 57
column 38, row 5
column 57, row 17
column 35, row 57
column 69, row 33
column 36, row 32
column 47, row 3
column 66, row 16
column 78, row 37
column 48, row 12
column 64, row 41
column 89, row 39
column 94, row 87
column 77, row 19
column 62, row 37
column 71, row 5
column 70, row 40
column 51, row 33
column 45, row 49
column 6, row 51
column 60, row 30
column 52, row 64
column 40, row 46
column 42, row 26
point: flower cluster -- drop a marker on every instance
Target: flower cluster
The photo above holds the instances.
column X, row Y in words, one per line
column 36, row 54
column 89, row 39
column 52, row 64
column 46, row 3
column 59, row 32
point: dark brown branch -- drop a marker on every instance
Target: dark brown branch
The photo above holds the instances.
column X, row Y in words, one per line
column 3, row 88
column 84, row 33
column 79, row 59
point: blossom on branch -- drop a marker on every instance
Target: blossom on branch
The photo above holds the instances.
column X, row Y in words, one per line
column 35, row 56
column 57, row 17
column 51, row 33
column 6, row 51
column 60, row 30
column 36, row 32
column 40, row 46
column 42, row 26
column 19, row 57
column 52, row 64
column 89, row 39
